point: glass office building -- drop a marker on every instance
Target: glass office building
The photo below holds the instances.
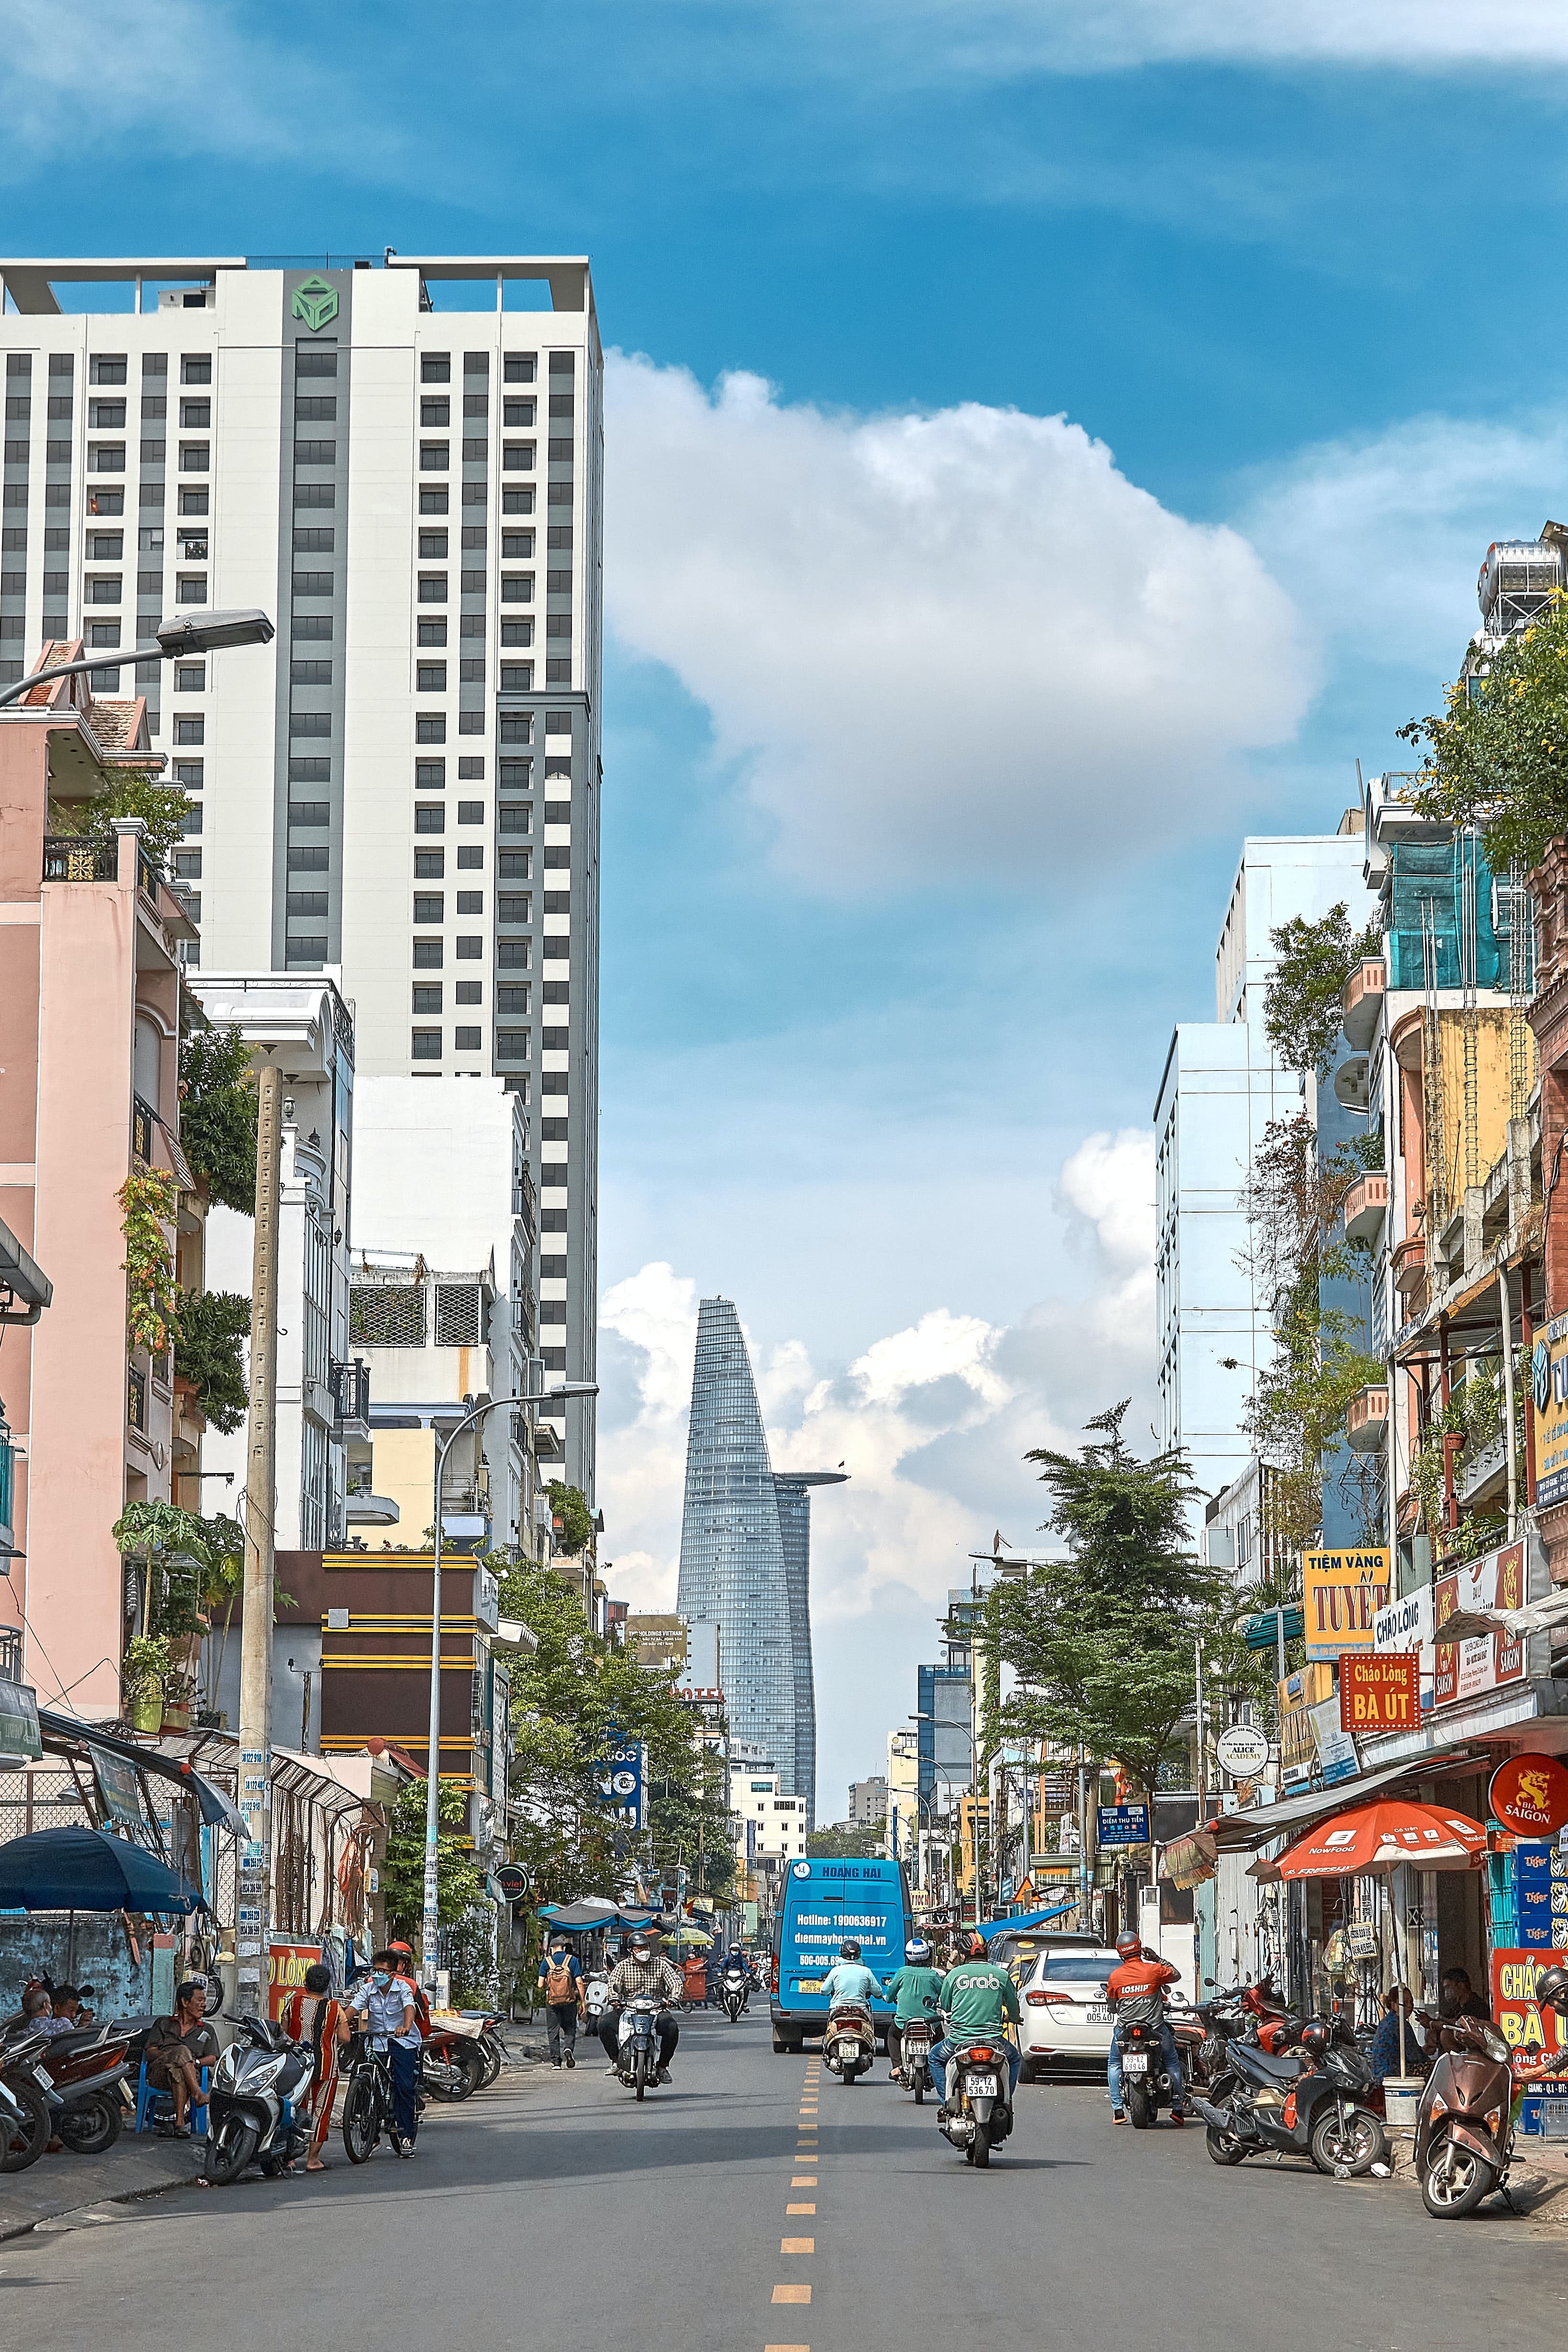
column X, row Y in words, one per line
column 746, row 1541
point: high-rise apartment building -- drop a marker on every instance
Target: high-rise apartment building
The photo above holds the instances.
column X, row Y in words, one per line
column 746, row 1555
column 404, row 470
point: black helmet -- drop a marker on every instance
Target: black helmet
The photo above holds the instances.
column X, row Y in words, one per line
column 1314, row 2037
column 1551, row 1986
column 849, row 1950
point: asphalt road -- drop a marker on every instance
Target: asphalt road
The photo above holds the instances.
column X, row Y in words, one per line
column 722, row 2215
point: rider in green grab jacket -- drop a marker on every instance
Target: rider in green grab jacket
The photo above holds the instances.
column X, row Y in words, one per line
column 913, row 1990
column 979, row 1998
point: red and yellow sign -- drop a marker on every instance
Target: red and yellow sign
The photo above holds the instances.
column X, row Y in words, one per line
column 1342, row 1593
column 1467, row 1669
column 1529, row 1794
column 285, row 1967
column 1380, row 1693
column 1532, row 2029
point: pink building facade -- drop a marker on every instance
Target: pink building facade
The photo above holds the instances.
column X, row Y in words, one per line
column 91, row 1002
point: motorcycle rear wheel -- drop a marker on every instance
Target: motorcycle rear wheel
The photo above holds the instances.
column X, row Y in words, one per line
column 1140, row 2107
column 1358, row 2145
column 1452, row 2188
column 1223, row 2147
column 919, row 2094
column 359, row 2133
column 980, row 2146
column 92, row 2126
column 230, row 2148
column 24, row 2140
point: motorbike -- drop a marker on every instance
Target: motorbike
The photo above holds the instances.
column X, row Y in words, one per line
column 1146, row 2086
column 256, row 2104
column 849, row 2042
column 1464, row 2118
column 733, row 1991
column 976, row 2114
column 453, row 2062
column 86, row 2069
column 637, row 2045
column 915, row 2040
column 25, row 2095
column 487, row 2026
column 1311, row 2100
column 596, row 1996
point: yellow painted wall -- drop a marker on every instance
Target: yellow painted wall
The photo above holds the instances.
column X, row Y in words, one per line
column 404, row 1466
column 1491, row 1095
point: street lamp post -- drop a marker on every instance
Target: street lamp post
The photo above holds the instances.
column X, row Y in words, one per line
column 187, row 633
column 562, row 1390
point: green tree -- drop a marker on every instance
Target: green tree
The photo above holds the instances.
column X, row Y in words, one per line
column 162, row 809
column 1102, row 1642
column 459, row 1881
column 193, row 1564
column 1496, row 756
column 1301, row 998
column 214, row 1328
column 217, row 1115
column 574, row 1700
column 568, row 1504
column 848, row 1840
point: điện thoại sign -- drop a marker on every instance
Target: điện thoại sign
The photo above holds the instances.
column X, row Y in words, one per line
column 1342, row 1593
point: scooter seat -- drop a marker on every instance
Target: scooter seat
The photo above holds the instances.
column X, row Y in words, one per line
column 1249, row 2059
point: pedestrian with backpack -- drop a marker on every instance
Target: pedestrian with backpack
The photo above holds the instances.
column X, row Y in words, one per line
column 560, row 1979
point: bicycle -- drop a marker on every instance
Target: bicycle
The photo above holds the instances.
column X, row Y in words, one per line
column 367, row 2108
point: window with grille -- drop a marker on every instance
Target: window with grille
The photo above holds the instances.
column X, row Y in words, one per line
column 459, row 1315
column 387, row 1315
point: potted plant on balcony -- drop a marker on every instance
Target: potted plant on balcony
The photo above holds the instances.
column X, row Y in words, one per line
column 143, row 1672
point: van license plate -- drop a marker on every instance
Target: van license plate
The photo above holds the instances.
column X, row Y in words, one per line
column 1137, row 2062
column 983, row 2085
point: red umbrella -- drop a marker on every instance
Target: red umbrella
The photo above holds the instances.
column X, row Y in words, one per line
column 1379, row 1837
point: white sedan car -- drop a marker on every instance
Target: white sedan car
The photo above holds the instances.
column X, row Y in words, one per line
column 1066, row 2017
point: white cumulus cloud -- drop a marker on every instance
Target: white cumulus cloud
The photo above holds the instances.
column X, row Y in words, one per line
column 940, row 646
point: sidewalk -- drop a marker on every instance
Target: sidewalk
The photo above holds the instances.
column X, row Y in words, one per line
column 56, row 2184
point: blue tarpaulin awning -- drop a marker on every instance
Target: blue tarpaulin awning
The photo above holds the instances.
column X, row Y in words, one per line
column 989, row 1927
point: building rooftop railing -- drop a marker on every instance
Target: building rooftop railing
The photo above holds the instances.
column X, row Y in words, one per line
column 67, row 859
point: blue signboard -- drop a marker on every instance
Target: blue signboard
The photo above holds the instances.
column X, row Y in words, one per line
column 621, row 1783
column 1532, row 1893
column 1124, row 1825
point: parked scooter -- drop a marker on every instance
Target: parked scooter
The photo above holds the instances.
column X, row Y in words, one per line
column 849, row 2042
column 915, row 2042
column 487, row 2024
column 86, row 2069
column 596, row 1996
column 1311, row 2101
column 976, row 2114
column 452, row 2061
column 1464, row 2118
column 26, row 2096
column 256, row 2105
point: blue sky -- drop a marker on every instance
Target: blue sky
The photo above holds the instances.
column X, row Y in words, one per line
column 1046, row 442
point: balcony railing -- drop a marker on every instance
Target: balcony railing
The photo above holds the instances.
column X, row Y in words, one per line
column 142, row 1125
column 350, row 1386
column 10, row 1653
column 67, row 860
column 147, row 877
column 136, row 1399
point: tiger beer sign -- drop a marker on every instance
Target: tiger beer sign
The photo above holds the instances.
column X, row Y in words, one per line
column 1342, row 1593
column 1379, row 1693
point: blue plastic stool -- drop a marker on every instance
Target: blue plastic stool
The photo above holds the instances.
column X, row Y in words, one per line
column 153, row 2105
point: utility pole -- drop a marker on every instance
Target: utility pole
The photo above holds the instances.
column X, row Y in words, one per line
column 254, row 1906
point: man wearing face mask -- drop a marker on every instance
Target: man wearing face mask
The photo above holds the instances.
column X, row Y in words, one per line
column 385, row 2000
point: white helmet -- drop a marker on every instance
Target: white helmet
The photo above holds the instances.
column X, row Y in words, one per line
column 917, row 1951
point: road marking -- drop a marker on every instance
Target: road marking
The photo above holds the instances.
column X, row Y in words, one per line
column 797, row 2245
column 785, row 2347
column 800, row 2209
column 791, row 2294
column 804, row 2180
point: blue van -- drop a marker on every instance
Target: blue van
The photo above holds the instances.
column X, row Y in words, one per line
column 823, row 1903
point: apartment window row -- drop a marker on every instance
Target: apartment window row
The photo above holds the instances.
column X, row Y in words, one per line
column 516, row 367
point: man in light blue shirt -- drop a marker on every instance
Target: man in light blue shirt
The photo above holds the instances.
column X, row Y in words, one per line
column 847, row 1980
column 384, row 2000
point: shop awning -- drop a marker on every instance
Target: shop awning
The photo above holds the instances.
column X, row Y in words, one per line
column 1189, row 1860
column 1259, row 1823
column 214, row 1805
column 989, row 1927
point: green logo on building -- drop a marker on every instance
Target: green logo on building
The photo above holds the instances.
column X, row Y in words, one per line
column 315, row 302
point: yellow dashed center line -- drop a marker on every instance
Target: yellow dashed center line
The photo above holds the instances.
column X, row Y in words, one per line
column 800, row 2209
column 797, row 2245
column 791, row 2294
column 804, row 2180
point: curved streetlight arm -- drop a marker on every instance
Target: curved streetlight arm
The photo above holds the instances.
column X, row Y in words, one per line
column 194, row 634
column 444, row 1445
